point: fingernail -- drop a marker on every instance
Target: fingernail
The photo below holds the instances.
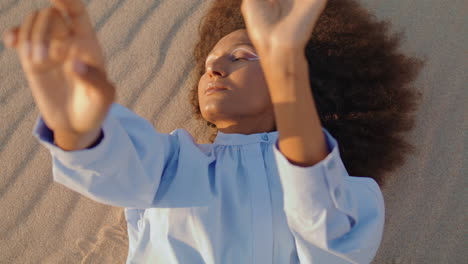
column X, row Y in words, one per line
column 39, row 53
column 79, row 67
column 27, row 49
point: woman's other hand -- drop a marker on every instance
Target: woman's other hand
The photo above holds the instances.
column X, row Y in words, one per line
column 51, row 43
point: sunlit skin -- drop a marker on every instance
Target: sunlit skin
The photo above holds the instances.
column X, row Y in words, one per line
column 246, row 106
column 275, row 90
column 74, row 95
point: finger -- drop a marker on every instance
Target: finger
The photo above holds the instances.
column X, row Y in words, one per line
column 49, row 25
column 10, row 37
column 59, row 49
column 25, row 35
column 75, row 10
column 95, row 78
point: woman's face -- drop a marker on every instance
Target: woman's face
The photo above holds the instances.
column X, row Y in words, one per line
column 245, row 105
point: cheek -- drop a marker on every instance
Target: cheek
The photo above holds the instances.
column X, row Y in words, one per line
column 201, row 84
column 262, row 90
column 254, row 82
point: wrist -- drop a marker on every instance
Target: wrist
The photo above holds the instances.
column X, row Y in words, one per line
column 281, row 58
column 73, row 141
column 279, row 48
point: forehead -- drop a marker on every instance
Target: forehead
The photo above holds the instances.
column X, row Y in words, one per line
column 237, row 36
column 233, row 37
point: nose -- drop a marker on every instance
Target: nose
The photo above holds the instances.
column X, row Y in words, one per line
column 213, row 73
column 215, row 68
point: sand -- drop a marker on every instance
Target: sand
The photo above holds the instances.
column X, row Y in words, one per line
column 148, row 50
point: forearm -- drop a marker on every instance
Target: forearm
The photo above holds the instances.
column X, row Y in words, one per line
column 124, row 169
column 301, row 139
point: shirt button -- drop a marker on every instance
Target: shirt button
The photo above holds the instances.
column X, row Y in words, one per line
column 337, row 192
column 265, row 137
column 331, row 164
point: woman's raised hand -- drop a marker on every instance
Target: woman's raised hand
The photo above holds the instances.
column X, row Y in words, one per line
column 281, row 23
column 65, row 68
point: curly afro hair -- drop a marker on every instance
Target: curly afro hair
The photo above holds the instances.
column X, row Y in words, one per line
column 361, row 83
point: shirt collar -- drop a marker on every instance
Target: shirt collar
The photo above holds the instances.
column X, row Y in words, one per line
column 243, row 139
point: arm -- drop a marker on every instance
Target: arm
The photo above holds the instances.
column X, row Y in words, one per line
column 334, row 217
column 300, row 132
column 124, row 169
column 280, row 31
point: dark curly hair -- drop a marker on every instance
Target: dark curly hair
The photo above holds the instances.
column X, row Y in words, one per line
column 361, row 83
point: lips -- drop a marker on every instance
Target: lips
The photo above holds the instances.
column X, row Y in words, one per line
column 214, row 86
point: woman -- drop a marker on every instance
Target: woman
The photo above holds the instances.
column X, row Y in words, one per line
column 272, row 187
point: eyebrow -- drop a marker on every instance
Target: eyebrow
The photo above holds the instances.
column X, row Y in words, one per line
column 244, row 43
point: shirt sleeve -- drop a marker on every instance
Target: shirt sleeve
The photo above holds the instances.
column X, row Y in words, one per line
column 334, row 217
column 124, row 169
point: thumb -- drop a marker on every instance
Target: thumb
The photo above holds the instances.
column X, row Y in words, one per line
column 96, row 78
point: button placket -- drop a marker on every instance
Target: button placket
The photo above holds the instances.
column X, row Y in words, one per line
column 262, row 214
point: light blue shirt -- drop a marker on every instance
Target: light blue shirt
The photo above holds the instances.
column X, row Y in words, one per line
column 238, row 200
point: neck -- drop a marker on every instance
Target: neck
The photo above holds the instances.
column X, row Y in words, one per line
column 247, row 127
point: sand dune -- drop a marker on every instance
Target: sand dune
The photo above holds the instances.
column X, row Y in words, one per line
column 148, row 49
